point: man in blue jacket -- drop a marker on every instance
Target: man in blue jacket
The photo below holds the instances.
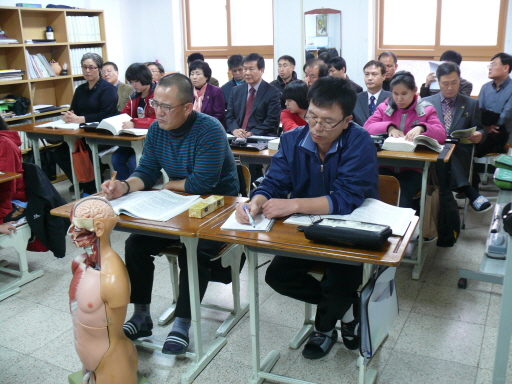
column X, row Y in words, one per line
column 328, row 167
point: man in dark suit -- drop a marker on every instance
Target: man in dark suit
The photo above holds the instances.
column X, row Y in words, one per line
column 338, row 68
column 253, row 108
column 457, row 112
column 367, row 102
column 235, row 67
column 390, row 61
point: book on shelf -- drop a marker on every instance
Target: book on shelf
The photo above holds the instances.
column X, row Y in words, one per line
column 76, row 57
column 159, row 205
column 42, row 108
column 39, row 41
column 8, row 41
column 39, row 66
column 60, row 124
column 401, row 145
column 371, row 211
column 114, row 125
column 262, row 224
column 83, row 28
column 29, row 5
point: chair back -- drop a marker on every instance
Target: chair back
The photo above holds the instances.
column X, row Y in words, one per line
column 244, row 177
column 389, row 190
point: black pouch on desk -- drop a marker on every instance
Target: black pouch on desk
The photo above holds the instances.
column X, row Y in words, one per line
column 89, row 127
column 346, row 232
column 255, row 147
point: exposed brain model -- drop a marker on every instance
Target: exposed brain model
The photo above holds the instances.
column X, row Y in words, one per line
column 99, row 294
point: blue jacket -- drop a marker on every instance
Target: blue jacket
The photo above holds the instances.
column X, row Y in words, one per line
column 347, row 176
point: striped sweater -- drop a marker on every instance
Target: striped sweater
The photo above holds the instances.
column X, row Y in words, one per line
column 199, row 153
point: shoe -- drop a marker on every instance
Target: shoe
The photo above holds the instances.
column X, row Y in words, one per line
column 350, row 334
column 481, row 204
column 175, row 344
column 131, row 331
column 319, row 345
column 72, row 189
column 16, row 214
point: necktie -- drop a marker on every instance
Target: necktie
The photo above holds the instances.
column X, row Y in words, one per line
column 248, row 108
column 447, row 113
column 371, row 107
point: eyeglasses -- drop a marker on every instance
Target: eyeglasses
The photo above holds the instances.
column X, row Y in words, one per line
column 166, row 108
column 237, row 70
column 86, row 68
column 492, row 65
column 324, row 125
column 155, row 71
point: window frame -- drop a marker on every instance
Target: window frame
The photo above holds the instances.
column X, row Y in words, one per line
column 434, row 52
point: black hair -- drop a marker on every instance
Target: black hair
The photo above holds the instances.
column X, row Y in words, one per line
column 198, row 64
column 309, row 56
column 235, row 61
column 139, row 72
column 325, row 56
column 377, row 64
column 337, row 62
column 255, row 57
column 3, row 125
column 333, row 52
column 287, row 58
column 329, row 91
column 401, row 77
column 185, row 88
column 98, row 60
column 112, row 64
column 296, row 90
column 158, row 65
column 447, row 68
column 194, row 56
column 322, row 67
column 505, row 58
column 387, row 54
column 453, row 56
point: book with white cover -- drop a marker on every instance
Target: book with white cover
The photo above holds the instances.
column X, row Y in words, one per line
column 402, row 145
column 371, row 211
column 61, row 124
column 114, row 125
column 262, row 224
column 159, row 205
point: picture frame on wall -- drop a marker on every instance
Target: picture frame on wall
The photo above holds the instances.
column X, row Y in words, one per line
column 321, row 25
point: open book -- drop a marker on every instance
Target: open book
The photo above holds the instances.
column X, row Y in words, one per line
column 463, row 135
column 114, row 125
column 262, row 224
column 402, row 145
column 61, row 124
column 159, row 205
column 371, row 211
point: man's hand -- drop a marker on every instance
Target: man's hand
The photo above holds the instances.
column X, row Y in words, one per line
column 275, row 208
column 491, row 129
column 475, row 137
column 8, row 228
column 417, row 130
column 393, row 132
column 430, row 79
column 241, row 133
column 240, row 214
column 113, row 189
column 128, row 124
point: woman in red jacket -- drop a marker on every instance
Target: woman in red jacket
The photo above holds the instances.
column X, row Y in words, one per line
column 13, row 197
column 295, row 97
column 142, row 114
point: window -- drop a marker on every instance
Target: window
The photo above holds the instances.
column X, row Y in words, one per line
column 474, row 28
column 221, row 28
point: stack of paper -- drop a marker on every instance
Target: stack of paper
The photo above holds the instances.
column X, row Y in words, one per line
column 262, row 224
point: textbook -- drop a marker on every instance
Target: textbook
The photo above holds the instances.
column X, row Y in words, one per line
column 114, row 125
column 371, row 211
column 402, row 145
column 159, row 205
column 262, row 224
column 463, row 135
column 60, row 124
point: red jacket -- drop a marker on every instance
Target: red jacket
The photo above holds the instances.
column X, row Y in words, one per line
column 149, row 113
column 10, row 161
column 291, row 120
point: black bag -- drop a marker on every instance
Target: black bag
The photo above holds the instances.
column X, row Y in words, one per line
column 20, row 106
column 48, row 164
column 448, row 223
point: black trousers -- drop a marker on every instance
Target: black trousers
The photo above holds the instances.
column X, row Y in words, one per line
column 139, row 256
column 333, row 295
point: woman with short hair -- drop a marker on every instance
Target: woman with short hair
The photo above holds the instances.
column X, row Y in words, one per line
column 208, row 98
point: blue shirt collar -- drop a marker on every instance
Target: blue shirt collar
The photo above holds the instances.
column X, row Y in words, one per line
column 311, row 146
column 239, row 82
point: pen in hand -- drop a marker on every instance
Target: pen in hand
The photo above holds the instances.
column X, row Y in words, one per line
column 251, row 220
column 113, row 178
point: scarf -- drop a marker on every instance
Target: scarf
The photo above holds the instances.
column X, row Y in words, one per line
column 199, row 95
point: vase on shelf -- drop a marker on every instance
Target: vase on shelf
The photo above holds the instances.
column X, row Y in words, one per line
column 56, row 67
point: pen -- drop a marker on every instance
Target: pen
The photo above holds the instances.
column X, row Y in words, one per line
column 113, row 178
column 251, row 220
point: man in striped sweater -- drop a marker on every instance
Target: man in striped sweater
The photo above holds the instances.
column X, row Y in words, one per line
column 193, row 150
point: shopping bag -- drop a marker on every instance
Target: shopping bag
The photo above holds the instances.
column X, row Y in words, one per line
column 431, row 214
column 82, row 165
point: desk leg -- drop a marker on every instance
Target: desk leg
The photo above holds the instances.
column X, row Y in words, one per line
column 505, row 325
column 71, row 143
column 201, row 357
column 420, row 256
column 96, row 165
column 35, row 147
column 138, row 147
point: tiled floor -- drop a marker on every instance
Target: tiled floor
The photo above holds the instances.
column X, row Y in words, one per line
column 443, row 334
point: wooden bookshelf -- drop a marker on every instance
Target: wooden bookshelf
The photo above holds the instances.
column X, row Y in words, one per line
column 30, row 23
